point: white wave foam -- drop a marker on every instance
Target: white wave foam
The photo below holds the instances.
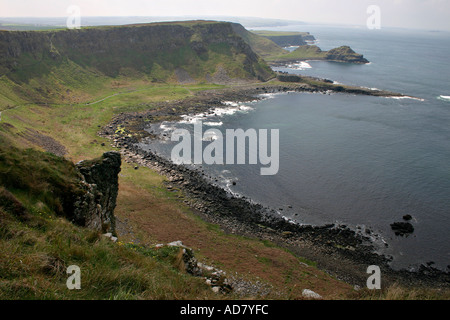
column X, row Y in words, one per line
column 210, row 118
column 234, row 107
column 209, row 137
column 231, row 103
column 268, row 95
column 192, row 119
column 165, row 127
column 213, row 124
column 373, row 89
column 444, row 98
column 301, row 65
column 407, row 97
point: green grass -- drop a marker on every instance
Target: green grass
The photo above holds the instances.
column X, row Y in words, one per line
column 267, row 33
column 306, row 52
column 49, row 180
column 57, row 72
column 37, row 244
column 34, row 257
column 259, row 44
column 67, row 120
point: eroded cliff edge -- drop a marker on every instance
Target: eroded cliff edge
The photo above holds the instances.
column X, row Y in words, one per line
column 100, row 180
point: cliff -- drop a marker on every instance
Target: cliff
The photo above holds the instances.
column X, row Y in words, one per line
column 345, row 54
column 260, row 45
column 313, row 52
column 95, row 207
column 84, row 194
column 42, row 66
column 287, row 39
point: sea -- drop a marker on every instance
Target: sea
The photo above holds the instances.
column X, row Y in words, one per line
column 360, row 161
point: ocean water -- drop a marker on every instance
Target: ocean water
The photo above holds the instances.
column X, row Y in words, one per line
column 357, row 160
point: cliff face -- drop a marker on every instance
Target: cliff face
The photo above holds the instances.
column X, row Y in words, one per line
column 95, row 207
column 261, row 45
column 84, row 194
column 153, row 51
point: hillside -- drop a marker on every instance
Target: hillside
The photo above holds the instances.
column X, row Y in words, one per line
column 59, row 91
column 286, row 39
column 263, row 46
column 270, row 46
column 56, row 66
column 312, row 52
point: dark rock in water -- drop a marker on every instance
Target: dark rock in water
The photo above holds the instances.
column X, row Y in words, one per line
column 100, row 182
column 407, row 217
column 402, row 228
column 345, row 54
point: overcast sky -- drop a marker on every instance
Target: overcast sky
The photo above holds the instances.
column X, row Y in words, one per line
column 423, row 14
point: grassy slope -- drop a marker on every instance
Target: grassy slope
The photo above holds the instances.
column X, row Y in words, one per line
column 267, row 33
column 152, row 211
column 308, row 52
column 153, row 214
column 264, row 47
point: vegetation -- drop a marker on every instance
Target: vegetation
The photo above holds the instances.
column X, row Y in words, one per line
column 268, row 33
column 49, row 102
column 46, row 66
column 305, row 52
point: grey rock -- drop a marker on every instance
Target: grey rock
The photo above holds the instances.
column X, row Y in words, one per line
column 309, row 294
column 100, row 182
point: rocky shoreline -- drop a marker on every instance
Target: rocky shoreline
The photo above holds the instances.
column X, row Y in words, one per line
column 340, row 251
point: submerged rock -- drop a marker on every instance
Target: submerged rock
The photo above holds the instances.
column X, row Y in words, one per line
column 407, row 217
column 402, row 228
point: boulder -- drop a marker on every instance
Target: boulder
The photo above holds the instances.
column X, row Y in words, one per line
column 402, row 228
column 309, row 294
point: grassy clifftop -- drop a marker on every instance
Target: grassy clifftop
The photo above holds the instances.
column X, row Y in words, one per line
column 56, row 66
column 286, row 39
column 312, row 52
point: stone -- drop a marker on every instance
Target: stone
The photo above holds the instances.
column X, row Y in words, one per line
column 176, row 244
column 407, row 217
column 309, row 294
column 402, row 228
column 215, row 289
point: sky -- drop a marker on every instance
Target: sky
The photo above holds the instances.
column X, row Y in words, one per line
column 417, row 14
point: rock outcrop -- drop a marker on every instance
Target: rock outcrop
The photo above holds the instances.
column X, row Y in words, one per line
column 345, row 54
column 402, row 228
column 312, row 52
column 100, row 181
